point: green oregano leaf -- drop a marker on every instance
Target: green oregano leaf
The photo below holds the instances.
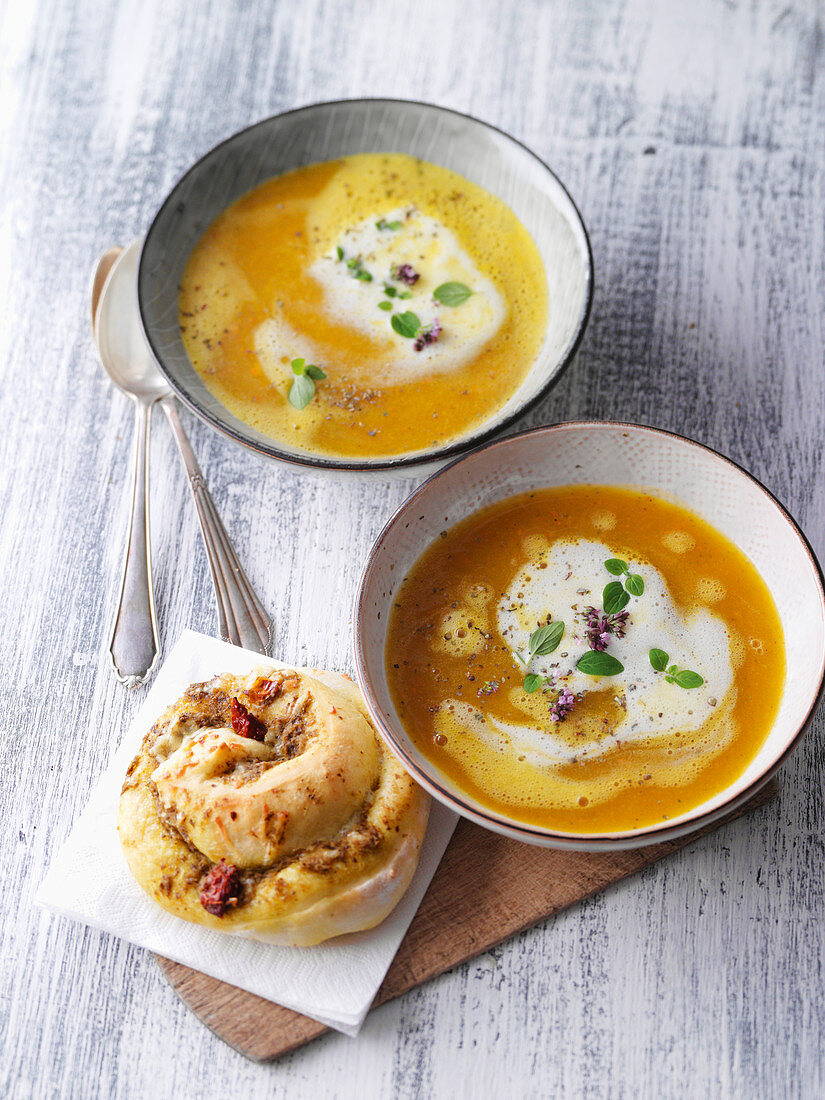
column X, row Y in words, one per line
column 384, row 224
column 404, row 294
column 614, row 597
column 340, row 252
column 385, row 305
column 390, row 291
column 634, row 584
column 532, row 682
column 546, row 639
column 616, row 566
column 452, row 294
column 406, row 324
column 688, row 679
column 658, row 659
column 594, row 663
column 302, row 391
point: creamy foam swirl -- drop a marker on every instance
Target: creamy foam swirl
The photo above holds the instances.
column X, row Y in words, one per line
column 437, row 257
column 559, row 581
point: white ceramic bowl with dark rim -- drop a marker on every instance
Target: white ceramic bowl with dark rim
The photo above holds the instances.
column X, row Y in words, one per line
column 326, row 131
column 584, row 453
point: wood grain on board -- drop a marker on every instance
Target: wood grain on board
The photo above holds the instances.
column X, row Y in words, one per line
column 486, row 889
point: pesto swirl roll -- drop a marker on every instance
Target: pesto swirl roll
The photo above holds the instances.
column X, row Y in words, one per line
column 267, row 806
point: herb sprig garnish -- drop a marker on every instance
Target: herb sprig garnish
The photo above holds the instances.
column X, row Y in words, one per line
column 532, row 682
column 682, row 677
column 542, row 642
column 357, row 269
column 393, row 292
column 302, row 390
column 599, row 663
column 452, row 294
column 633, row 582
column 382, row 223
column 406, row 324
column 614, row 598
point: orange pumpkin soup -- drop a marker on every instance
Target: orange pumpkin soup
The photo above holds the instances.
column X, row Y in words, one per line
column 587, row 659
column 366, row 307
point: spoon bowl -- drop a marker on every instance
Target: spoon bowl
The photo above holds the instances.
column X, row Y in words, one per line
column 99, row 276
column 118, row 332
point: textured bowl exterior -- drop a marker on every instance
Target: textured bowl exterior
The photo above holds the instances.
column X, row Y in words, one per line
column 325, row 131
column 629, row 455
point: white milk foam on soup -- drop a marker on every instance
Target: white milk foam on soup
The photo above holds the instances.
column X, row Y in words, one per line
column 561, row 580
column 437, row 257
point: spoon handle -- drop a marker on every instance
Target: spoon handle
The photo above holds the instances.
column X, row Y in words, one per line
column 134, row 646
column 242, row 618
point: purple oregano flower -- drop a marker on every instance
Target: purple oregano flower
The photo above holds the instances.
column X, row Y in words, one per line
column 489, row 687
column 428, row 335
column 563, row 705
column 600, row 627
column 406, row 273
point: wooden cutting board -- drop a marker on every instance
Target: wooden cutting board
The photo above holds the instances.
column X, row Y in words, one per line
column 486, row 889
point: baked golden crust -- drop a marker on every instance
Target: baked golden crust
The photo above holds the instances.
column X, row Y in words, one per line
column 321, row 822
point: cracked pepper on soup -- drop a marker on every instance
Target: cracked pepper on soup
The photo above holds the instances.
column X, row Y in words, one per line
column 586, row 659
column 366, row 307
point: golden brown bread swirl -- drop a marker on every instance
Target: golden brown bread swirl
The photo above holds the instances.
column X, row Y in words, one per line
column 266, row 805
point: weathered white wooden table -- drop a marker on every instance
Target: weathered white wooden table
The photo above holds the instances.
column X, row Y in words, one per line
column 693, row 136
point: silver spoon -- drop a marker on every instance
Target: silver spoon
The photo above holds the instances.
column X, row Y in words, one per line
column 127, row 359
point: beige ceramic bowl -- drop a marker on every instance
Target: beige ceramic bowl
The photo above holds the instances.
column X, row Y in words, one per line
column 604, row 454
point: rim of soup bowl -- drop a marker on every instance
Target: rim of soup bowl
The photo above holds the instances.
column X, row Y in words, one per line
column 692, row 821
column 407, row 464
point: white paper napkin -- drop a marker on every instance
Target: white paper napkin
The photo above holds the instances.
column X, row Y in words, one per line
column 334, row 982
